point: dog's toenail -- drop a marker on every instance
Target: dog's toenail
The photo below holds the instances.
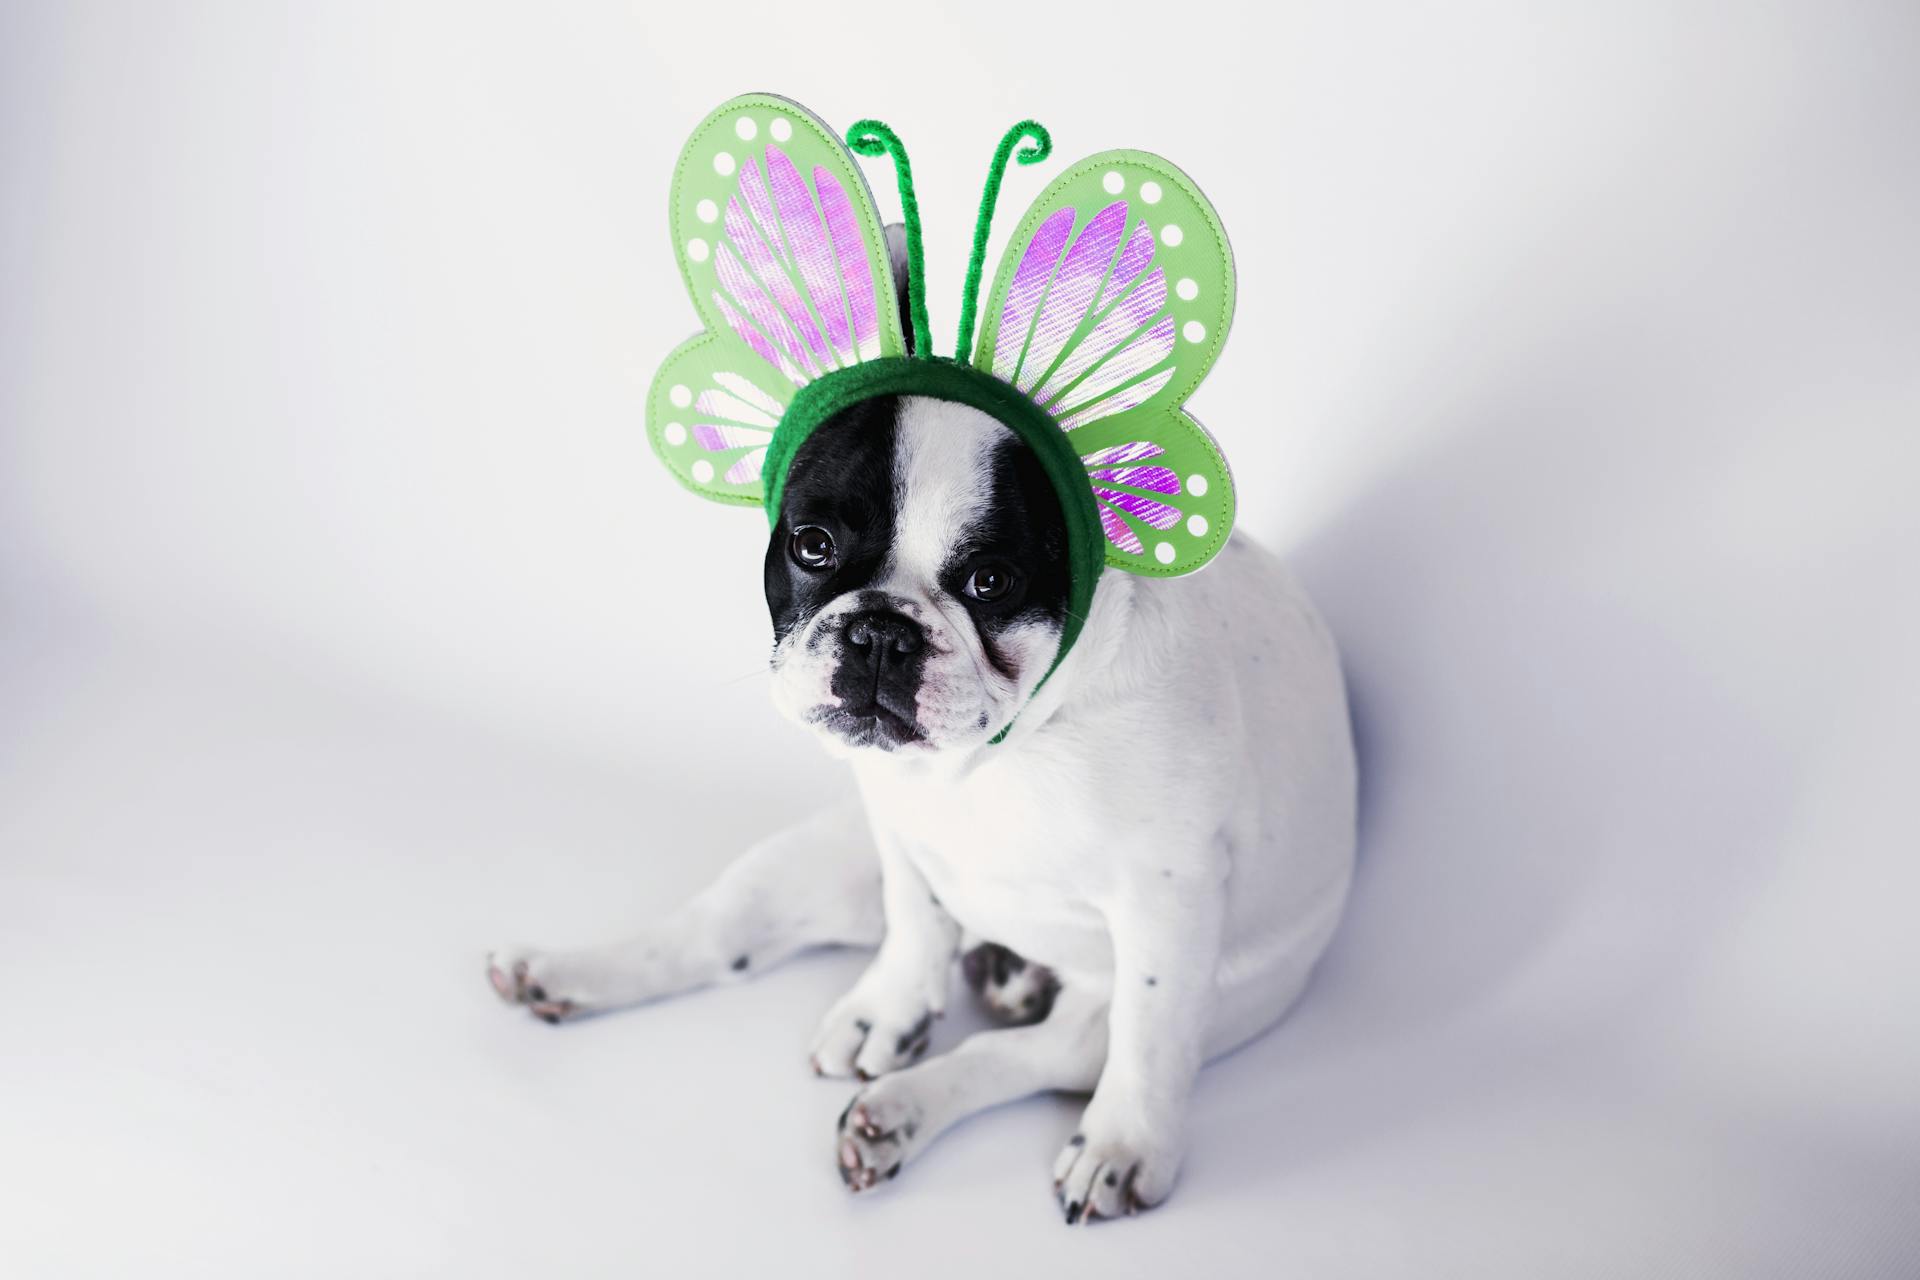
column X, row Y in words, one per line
column 538, row 992
column 849, row 1154
column 1113, row 1179
column 1073, row 1213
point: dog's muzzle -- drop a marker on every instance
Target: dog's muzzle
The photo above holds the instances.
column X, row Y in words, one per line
column 882, row 655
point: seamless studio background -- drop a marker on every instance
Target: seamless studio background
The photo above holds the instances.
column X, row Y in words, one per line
column 347, row 628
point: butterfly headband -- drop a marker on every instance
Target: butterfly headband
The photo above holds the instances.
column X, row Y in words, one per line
column 1108, row 308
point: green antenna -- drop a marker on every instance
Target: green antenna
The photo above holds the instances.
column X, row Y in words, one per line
column 873, row 138
column 1039, row 148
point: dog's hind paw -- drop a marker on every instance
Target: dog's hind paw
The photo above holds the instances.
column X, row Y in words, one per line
column 1014, row 990
column 538, row 981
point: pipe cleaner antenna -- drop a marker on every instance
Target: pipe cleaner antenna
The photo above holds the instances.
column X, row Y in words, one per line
column 1039, row 147
column 874, row 138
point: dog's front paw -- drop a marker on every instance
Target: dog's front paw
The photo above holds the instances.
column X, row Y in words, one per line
column 877, row 1133
column 543, row 982
column 1102, row 1173
column 866, row 1034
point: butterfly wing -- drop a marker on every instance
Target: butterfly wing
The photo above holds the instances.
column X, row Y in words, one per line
column 783, row 253
column 1109, row 307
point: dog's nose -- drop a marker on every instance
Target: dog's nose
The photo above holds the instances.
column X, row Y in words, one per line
column 884, row 634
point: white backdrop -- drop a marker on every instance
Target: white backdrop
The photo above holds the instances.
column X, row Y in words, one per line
column 349, row 629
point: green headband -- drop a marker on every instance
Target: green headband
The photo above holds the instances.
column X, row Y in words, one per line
column 1109, row 306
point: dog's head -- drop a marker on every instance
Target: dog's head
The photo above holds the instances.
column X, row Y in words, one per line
column 917, row 576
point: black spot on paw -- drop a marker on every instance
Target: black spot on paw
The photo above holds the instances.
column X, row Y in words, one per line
column 1152, row 981
column 1006, row 964
column 914, row 1037
column 739, row 963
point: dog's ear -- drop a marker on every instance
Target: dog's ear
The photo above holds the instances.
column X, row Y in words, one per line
column 897, row 254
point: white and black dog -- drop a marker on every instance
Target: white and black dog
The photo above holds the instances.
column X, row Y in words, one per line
column 1144, row 870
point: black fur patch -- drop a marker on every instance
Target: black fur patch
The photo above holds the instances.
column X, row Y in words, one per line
column 842, row 480
column 1022, row 526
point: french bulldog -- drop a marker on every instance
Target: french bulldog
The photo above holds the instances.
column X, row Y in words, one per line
column 1138, row 876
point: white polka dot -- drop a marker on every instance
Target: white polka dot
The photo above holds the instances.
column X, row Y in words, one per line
column 723, row 163
column 1187, row 289
column 1150, row 192
column 1114, row 183
column 1164, row 553
column 703, row 471
column 746, row 128
column 697, row 249
column 707, row 211
column 676, row 434
column 1194, row 331
column 781, row 129
column 1171, row 235
column 680, row 396
column 1197, row 486
column 1197, row 526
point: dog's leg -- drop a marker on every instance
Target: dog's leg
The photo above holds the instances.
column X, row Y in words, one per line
column 815, row 884
column 884, row 1022
column 1166, row 941
column 892, row 1120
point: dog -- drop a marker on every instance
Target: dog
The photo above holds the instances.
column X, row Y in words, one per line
column 1139, row 875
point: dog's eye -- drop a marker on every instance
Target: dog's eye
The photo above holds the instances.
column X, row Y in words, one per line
column 991, row 582
column 811, row 547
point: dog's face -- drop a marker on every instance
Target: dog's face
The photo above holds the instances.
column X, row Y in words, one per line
column 917, row 578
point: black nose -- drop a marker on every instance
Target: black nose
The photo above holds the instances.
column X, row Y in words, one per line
column 883, row 634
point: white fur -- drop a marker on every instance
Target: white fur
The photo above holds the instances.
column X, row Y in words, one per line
column 1169, row 827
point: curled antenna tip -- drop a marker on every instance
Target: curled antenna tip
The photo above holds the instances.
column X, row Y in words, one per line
column 869, row 137
column 1039, row 142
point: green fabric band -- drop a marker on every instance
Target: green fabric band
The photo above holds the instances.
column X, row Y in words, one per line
column 942, row 379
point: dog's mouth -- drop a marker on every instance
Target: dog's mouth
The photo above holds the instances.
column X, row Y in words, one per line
column 868, row 725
